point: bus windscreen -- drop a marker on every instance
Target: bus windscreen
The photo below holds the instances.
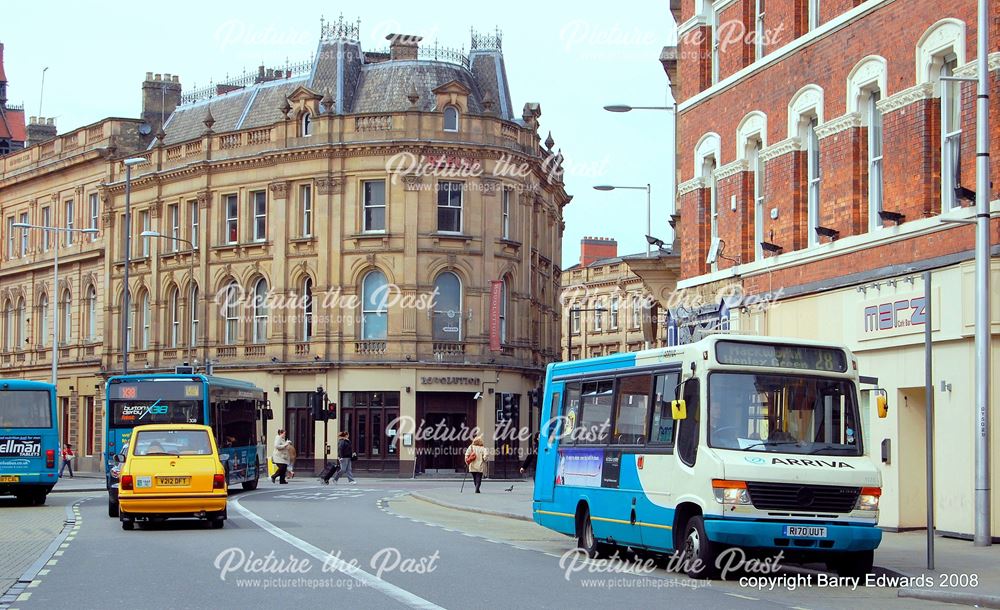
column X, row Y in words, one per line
column 25, row 409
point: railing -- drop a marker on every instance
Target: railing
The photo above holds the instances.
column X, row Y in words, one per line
column 170, row 354
column 95, row 133
column 231, row 140
column 302, row 349
column 259, row 136
column 192, row 148
column 64, row 352
column 19, row 357
column 175, row 152
column 382, row 122
column 140, row 357
column 448, row 348
column 254, row 351
column 228, row 351
column 369, row 347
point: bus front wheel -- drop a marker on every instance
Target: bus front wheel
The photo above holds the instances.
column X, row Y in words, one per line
column 855, row 564
column 699, row 552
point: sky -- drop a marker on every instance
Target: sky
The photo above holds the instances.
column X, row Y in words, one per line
column 571, row 61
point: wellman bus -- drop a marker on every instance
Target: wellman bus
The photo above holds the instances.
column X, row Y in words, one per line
column 29, row 440
column 236, row 411
column 731, row 441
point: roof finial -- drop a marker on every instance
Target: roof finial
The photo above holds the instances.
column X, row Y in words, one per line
column 209, row 120
column 413, row 96
column 549, row 142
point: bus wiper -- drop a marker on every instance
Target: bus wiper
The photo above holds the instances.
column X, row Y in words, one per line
column 829, row 447
column 163, row 453
column 770, row 444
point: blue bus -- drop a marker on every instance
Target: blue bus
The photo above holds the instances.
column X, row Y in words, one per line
column 236, row 410
column 29, row 440
column 730, row 445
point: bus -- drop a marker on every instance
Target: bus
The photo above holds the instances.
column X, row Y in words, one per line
column 731, row 442
column 29, row 440
column 236, row 411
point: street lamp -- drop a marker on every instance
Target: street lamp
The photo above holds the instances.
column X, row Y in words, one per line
column 55, row 286
column 649, row 212
column 126, row 297
column 191, row 307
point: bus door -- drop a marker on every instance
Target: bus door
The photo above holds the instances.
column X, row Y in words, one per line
column 548, row 445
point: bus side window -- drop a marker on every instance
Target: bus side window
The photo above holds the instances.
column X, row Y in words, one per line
column 570, row 416
column 595, row 422
column 552, row 428
column 632, row 406
column 687, row 438
column 663, row 426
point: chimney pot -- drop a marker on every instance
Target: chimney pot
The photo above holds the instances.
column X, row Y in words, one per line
column 149, row 76
column 177, row 79
column 156, row 77
column 32, row 120
column 403, row 46
column 50, row 121
column 166, row 77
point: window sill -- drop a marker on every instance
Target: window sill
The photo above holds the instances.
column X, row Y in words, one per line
column 510, row 243
column 440, row 236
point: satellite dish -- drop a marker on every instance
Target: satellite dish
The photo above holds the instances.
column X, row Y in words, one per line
column 145, row 129
column 713, row 251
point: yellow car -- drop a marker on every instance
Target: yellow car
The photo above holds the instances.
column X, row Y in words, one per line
column 172, row 470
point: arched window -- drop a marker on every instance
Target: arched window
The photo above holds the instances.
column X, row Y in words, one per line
column 306, row 122
column 447, row 307
column 374, row 306
column 21, row 325
column 90, row 310
column 8, row 326
column 144, row 319
column 503, row 310
column 231, row 314
column 174, row 313
column 43, row 320
column 450, row 118
column 260, row 311
column 193, row 315
column 307, row 309
column 805, row 114
column 65, row 318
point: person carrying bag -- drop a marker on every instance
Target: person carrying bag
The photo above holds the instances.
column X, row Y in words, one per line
column 475, row 460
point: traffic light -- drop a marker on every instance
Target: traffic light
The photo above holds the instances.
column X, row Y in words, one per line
column 318, row 399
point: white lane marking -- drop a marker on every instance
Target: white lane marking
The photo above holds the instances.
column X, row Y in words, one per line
column 397, row 593
column 742, row 596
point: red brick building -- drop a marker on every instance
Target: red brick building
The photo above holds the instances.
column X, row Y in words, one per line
column 817, row 144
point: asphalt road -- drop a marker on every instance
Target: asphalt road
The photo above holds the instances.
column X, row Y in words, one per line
column 355, row 546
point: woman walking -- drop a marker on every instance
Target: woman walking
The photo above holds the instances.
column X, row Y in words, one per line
column 345, row 451
column 281, row 457
column 475, row 459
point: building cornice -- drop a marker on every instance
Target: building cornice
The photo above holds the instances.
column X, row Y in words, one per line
column 731, row 169
column 832, row 127
column 904, row 98
column 783, row 147
column 969, row 69
column 690, row 186
column 690, row 24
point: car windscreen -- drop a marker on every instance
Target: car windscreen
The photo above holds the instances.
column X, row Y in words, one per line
column 172, row 442
column 130, row 413
column 25, row 409
column 783, row 413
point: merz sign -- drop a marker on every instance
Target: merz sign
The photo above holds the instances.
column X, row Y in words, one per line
column 899, row 314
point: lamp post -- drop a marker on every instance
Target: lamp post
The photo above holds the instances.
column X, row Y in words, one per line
column 55, row 286
column 126, row 297
column 191, row 307
column 649, row 209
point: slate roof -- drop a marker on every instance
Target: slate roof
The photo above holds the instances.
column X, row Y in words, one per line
column 384, row 86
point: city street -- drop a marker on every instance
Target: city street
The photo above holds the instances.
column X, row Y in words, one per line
column 297, row 542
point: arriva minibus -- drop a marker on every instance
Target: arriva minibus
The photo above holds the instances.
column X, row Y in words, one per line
column 236, row 411
column 29, row 440
column 731, row 441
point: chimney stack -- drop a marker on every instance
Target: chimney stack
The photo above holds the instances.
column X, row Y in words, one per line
column 40, row 129
column 403, row 46
column 595, row 248
column 161, row 94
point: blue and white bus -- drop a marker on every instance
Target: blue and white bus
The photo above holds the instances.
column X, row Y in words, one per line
column 731, row 441
column 29, row 440
column 236, row 410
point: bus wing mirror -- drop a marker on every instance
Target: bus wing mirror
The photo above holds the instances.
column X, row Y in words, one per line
column 679, row 409
column 882, row 401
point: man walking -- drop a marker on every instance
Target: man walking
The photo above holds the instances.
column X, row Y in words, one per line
column 346, row 454
column 281, row 457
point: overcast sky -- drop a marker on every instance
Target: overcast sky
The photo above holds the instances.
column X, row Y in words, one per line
column 571, row 62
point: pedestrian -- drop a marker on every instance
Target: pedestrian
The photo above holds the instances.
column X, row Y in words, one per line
column 346, row 454
column 475, row 459
column 281, row 457
column 530, row 460
column 67, row 460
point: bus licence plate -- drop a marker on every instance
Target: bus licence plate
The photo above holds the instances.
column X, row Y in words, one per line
column 173, row 481
column 799, row 531
column 10, row 478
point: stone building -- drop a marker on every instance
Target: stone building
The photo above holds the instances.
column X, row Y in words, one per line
column 382, row 224
column 821, row 157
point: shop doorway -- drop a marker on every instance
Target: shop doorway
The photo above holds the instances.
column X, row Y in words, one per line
column 445, row 420
column 300, row 430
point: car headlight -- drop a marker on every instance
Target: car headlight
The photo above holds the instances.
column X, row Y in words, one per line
column 868, row 499
column 730, row 492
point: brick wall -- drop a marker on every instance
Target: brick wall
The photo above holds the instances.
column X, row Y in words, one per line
column 843, row 190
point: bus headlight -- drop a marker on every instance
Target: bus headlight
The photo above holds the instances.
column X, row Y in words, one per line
column 730, row 492
column 868, row 500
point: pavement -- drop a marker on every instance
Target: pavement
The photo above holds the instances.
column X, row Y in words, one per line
column 963, row 574
column 81, row 481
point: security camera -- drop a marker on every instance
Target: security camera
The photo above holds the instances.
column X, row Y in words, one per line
column 477, row 396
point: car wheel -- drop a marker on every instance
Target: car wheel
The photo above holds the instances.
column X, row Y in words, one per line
column 112, row 507
column 698, row 551
column 217, row 523
column 853, row 564
column 128, row 525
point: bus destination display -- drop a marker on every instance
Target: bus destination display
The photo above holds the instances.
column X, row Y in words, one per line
column 781, row 356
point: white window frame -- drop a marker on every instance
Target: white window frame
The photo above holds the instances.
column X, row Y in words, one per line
column 305, row 124
column 231, row 315
column 598, row 316
column 711, row 165
column 193, row 315
column 814, row 179
column 194, row 210
column 366, row 205
column 716, row 51
column 613, row 314
column 308, row 307
column 65, row 314
column 503, row 311
column 382, row 308
column 8, row 325
column 143, row 227
column 574, row 317
column 10, row 238
column 306, row 208
column 453, row 112
column 813, row 14
column 258, row 199
column 23, row 219
column 505, row 213
column 173, row 304
column 951, row 135
column 91, row 313
column 876, row 150
column 760, row 10
column 95, row 214
column 260, row 313
column 460, row 207
column 174, row 216
column 232, row 225
column 43, row 320
column 756, row 164
column 46, row 222
column 20, row 320
column 68, row 208
column 146, row 314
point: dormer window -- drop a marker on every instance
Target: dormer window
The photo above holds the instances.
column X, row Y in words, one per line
column 306, row 124
column 451, row 118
